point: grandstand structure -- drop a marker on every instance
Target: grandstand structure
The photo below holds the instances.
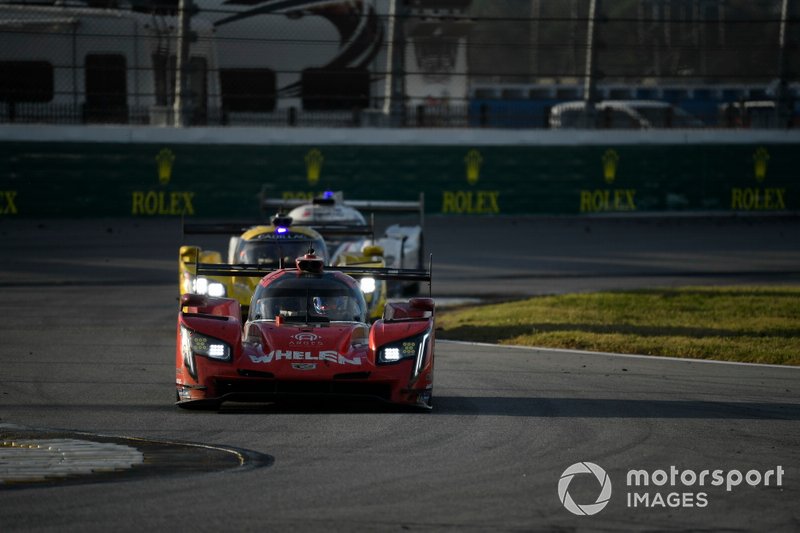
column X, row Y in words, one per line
column 730, row 63
column 400, row 63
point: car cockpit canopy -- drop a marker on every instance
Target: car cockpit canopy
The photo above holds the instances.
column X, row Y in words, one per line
column 304, row 298
column 278, row 247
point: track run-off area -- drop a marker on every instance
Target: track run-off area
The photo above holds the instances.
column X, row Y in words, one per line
column 520, row 439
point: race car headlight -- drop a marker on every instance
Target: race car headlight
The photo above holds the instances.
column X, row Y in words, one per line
column 189, row 283
column 367, row 285
column 391, row 354
column 209, row 347
column 216, row 289
column 205, row 286
column 193, row 343
column 200, row 286
column 412, row 348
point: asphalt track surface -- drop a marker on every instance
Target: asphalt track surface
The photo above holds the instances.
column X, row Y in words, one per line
column 86, row 352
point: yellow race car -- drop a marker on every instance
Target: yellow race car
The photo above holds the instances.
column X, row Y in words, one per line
column 273, row 245
column 374, row 290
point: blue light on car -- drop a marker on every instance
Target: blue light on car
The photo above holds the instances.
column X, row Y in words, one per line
column 327, row 195
column 281, row 230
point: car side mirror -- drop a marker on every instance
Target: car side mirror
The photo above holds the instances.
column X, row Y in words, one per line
column 423, row 304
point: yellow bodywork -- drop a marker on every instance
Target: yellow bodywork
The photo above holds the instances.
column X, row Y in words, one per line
column 240, row 288
column 370, row 257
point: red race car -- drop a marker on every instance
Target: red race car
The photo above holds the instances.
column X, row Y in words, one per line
column 306, row 334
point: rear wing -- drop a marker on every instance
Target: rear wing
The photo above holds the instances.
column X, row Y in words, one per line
column 237, row 228
column 223, row 228
column 256, row 270
column 367, row 206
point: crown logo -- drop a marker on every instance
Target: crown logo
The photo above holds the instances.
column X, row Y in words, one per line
column 314, row 161
column 164, row 161
column 610, row 161
column 473, row 160
column 760, row 158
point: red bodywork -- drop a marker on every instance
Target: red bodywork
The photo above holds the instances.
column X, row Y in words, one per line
column 269, row 359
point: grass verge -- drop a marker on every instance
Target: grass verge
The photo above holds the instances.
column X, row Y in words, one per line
column 756, row 324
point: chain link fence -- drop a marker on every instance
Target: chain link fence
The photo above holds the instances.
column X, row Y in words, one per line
column 403, row 63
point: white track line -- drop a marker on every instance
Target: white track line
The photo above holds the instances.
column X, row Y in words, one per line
column 629, row 356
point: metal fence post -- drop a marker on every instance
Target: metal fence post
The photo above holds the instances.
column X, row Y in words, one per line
column 182, row 106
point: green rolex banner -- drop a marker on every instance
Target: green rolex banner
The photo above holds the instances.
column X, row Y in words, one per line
column 144, row 180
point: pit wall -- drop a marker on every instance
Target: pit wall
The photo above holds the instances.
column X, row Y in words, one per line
column 50, row 171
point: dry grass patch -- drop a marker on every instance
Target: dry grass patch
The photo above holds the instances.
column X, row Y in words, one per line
column 748, row 324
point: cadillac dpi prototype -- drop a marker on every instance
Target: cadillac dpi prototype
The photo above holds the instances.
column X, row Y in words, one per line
column 306, row 334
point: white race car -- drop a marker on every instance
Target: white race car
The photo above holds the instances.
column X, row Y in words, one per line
column 403, row 245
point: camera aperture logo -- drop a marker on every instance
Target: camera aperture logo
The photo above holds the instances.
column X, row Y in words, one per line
column 664, row 488
column 590, row 508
